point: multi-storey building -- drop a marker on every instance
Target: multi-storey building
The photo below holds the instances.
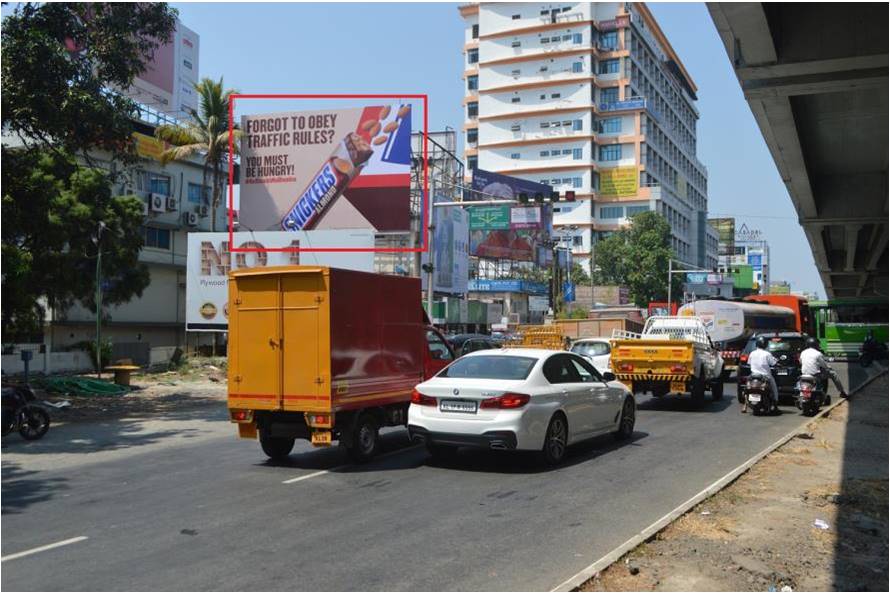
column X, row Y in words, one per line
column 589, row 97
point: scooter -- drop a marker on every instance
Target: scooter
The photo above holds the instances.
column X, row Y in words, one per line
column 812, row 394
column 20, row 413
column 758, row 394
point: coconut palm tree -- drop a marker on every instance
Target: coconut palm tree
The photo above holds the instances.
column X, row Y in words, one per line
column 206, row 134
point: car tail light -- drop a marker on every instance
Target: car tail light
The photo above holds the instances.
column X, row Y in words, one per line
column 678, row 368
column 422, row 399
column 743, row 358
column 508, row 400
column 626, row 367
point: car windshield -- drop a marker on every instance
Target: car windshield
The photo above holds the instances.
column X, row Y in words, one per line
column 591, row 349
column 785, row 345
column 500, row 367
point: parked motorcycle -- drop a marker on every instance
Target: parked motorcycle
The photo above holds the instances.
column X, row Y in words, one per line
column 21, row 413
column 812, row 394
column 758, row 394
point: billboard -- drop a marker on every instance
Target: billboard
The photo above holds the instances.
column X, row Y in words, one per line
column 619, row 181
column 496, row 186
column 450, row 246
column 327, row 169
column 509, row 232
column 209, row 261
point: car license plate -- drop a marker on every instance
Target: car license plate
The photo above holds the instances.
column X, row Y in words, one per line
column 754, row 398
column 678, row 386
column 458, row 406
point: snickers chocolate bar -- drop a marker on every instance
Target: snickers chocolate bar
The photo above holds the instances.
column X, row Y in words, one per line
column 325, row 186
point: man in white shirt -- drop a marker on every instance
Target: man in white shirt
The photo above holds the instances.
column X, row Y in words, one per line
column 813, row 363
column 761, row 361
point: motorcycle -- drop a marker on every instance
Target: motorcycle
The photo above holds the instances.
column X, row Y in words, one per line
column 758, row 394
column 871, row 350
column 812, row 394
column 21, row 413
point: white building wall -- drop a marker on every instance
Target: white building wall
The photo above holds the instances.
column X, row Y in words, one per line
column 524, row 101
column 559, row 125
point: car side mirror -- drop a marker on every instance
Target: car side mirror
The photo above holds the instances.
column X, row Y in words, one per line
column 608, row 376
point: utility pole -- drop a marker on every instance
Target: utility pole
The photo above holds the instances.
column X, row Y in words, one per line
column 430, row 264
column 98, row 241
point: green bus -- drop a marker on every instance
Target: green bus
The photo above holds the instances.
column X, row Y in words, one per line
column 841, row 324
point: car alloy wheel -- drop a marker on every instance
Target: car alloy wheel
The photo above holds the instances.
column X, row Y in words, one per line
column 555, row 442
column 628, row 418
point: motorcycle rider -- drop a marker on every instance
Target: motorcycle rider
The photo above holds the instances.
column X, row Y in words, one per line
column 761, row 361
column 813, row 363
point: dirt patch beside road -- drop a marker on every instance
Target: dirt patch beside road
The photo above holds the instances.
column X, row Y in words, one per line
column 810, row 516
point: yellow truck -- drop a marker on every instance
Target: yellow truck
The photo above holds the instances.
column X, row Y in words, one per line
column 325, row 354
column 672, row 355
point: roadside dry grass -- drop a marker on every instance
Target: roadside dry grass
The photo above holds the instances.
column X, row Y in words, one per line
column 761, row 532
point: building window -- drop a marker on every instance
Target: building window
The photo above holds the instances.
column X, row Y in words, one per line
column 546, row 182
column 566, row 151
column 545, row 124
column 155, row 183
column 568, row 37
column 514, row 155
column 187, row 64
column 576, row 154
column 609, row 95
column 516, row 99
column 472, row 162
column 577, row 241
column 472, row 82
column 576, row 125
column 516, row 17
column 196, row 195
column 577, row 39
column 609, row 66
column 635, row 210
column 516, row 44
column 577, row 67
column 472, row 56
column 609, row 40
column 545, row 153
column 515, row 128
column 611, row 152
column 611, row 126
column 472, row 109
column 576, row 182
column 555, row 95
column 475, row 32
column 157, row 238
column 611, row 212
column 545, row 40
column 472, row 135
column 516, row 73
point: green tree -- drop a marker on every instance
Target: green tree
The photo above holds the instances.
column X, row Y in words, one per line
column 60, row 61
column 51, row 211
column 637, row 257
column 207, row 134
column 578, row 275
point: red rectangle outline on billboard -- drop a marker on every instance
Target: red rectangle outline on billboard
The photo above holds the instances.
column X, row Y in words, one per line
column 425, row 193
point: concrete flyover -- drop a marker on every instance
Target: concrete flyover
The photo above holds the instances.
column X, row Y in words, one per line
column 815, row 76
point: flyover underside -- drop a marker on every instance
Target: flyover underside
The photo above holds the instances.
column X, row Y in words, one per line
column 816, row 76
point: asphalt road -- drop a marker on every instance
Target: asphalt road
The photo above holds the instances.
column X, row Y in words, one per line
column 207, row 512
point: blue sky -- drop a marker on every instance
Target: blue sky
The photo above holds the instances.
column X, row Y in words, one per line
column 416, row 48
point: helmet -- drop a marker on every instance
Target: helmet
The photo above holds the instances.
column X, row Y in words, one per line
column 812, row 343
column 761, row 342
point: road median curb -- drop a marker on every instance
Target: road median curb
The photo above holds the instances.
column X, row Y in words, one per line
column 580, row 578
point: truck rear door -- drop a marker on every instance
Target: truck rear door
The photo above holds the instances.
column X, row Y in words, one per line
column 254, row 357
column 305, row 341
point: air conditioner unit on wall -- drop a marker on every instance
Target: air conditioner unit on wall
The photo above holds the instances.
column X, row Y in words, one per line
column 190, row 219
column 203, row 210
column 158, row 203
column 171, row 203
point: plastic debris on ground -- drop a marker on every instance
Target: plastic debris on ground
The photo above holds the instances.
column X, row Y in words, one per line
column 821, row 524
column 82, row 386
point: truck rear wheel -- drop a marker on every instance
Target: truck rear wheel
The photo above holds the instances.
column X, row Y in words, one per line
column 277, row 448
column 698, row 389
column 365, row 438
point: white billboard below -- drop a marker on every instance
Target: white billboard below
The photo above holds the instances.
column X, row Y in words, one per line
column 450, row 243
column 209, row 262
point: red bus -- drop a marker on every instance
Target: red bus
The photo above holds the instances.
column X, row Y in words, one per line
column 796, row 303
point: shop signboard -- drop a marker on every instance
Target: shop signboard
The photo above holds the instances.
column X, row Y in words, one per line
column 327, row 169
column 209, row 261
column 538, row 303
column 507, row 286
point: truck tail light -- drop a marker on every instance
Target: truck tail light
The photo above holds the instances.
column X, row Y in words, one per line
column 241, row 416
column 627, row 367
column 508, row 400
column 678, row 368
column 319, row 419
column 422, row 399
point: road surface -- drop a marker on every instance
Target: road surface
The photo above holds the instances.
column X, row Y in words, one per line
column 182, row 504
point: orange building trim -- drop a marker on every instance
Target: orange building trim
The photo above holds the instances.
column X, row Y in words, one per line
column 536, row 85
column 536, row 29
column 533, row 141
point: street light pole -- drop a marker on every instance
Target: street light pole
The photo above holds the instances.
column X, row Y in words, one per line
column 98, row 242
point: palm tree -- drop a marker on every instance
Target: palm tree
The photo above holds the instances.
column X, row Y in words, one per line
column 207, row 134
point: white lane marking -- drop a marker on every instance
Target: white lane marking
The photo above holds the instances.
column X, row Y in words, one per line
column 304, row 477
column 54, row 545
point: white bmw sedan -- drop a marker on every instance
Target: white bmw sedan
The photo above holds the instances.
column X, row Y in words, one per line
column 519, row 399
